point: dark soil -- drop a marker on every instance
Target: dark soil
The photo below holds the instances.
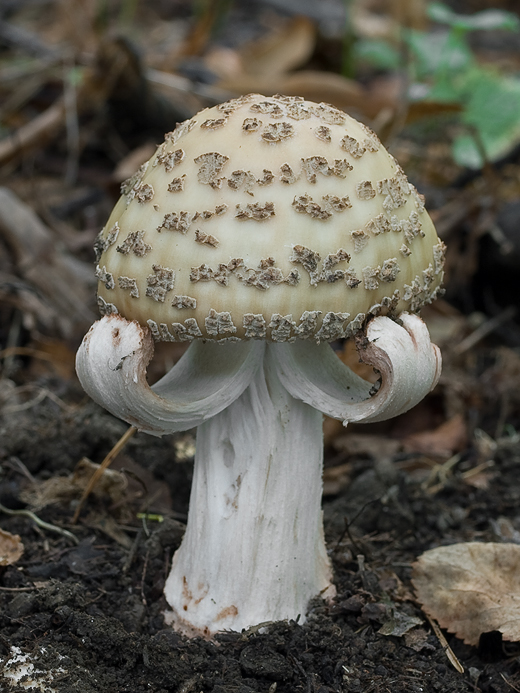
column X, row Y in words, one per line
column 92, row 613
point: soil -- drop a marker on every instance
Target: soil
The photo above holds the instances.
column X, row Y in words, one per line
column 92, row 613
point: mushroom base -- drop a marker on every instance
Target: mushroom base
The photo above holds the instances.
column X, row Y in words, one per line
column 254, row 549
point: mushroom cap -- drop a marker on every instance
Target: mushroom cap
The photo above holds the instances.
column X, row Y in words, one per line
column 273, row 218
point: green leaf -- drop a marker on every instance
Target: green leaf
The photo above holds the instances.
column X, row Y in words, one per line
column 492, row 111
column 438, row 53
column 378, row 53
column 427, row 50
column 487, row 19
column 466, row 152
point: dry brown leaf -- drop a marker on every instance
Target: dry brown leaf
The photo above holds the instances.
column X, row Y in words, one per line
column 313, row 85
column 366, row 444
column 64, row 489
column 11, row 548
column 336, row 479
column 56, row 352
column 422, row 109
column 410, row 13
column 471, row 588
column 132, row 161
column 417, row 639
column 445, row 440
column 282, row 50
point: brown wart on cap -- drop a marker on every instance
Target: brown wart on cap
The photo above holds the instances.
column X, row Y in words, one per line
column 294, row 227
column 177, row 184
column 167, row 158
column 277, row 132
column 364, row 190
column 107, row 278
column 323, row 133
column 210, row 166
column 129, row 284
column 134, row 243
column 206, row 238
column 287, row 174
column 176, row 221
column 160, row 282
column 256, row 211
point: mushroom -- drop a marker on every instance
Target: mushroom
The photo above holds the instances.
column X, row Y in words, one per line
column 261, row 230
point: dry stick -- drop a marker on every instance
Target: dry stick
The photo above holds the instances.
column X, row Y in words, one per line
column 444, row 643
column 509, row 683
column 101, row 469
column 483, row 330
column 38, row 521
column 33, row 134
column 8, row 352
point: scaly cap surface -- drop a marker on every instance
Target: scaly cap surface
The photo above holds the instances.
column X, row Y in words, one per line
column 273, row 218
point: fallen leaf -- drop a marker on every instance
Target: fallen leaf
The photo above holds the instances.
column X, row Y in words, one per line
column 313, row 85
column 471, row 588
column 399, row 624
column 366, row 445
column 281, row 50
column 11, row 548
column 132, row 161
column 445, row 440
column 64, row 489
column 417, row 639
column 504, row 530
column 336, row 479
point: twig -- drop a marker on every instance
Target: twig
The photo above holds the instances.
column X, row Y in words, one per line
column 143, row 577
column 476, row 470
column 133, row 550
column 39, row 397
column 182, row 85
column 101, row 469
column 16, row 464
column 441, row 472
column 9, row 352
column 66, row 301
column 509, row 683
column 35, row 133
column 40, row 522
column 96, row 85
column 447, row 649
column 12, row 339
column 28, row 41
column 26, row 405
column 483, row 330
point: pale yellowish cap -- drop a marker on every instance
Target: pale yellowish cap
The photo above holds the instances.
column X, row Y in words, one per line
column 269, row 218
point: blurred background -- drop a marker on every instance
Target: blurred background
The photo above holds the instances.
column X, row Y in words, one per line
column 89, row 87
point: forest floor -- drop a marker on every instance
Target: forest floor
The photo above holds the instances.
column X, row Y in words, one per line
column 90, row 615
column 81, row 599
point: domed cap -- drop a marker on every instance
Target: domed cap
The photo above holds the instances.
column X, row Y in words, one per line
column 268, row 218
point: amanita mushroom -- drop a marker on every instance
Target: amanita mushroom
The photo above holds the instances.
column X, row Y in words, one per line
column 261, row 230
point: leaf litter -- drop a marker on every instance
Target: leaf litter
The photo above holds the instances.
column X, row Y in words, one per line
column 471, row 588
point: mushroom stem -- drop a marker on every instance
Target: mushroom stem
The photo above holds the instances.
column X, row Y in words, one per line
column 254, row 549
